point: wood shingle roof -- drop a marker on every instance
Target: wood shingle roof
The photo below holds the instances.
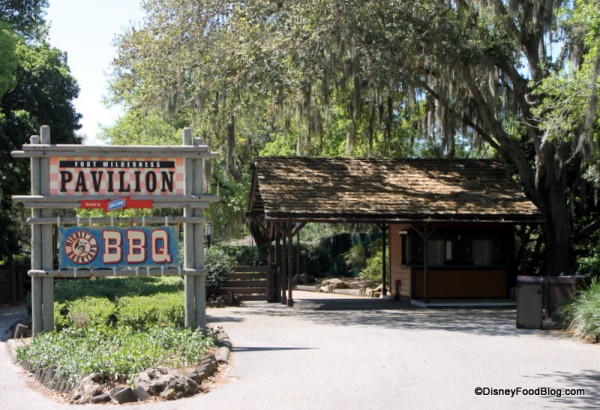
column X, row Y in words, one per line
column 350, row 189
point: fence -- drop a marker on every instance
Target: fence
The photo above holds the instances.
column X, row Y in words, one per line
column 14, row 283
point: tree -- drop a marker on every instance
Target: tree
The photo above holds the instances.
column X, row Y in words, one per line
column 40, row 91
column 444, row 78
column 8, row 59
column 25, row 18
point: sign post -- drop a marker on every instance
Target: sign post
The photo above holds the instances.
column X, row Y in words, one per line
column 111, row 178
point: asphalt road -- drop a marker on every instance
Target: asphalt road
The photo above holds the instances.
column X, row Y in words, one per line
column 336, row 352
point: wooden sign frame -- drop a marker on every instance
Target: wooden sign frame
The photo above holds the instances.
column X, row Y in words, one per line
column 187, row 194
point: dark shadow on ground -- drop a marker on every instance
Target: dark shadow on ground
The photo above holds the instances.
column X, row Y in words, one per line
column 268, row 349
column 210, row 319
column 588, row 380
column 389, row 314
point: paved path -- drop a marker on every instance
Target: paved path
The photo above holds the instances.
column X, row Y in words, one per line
column 336, row 352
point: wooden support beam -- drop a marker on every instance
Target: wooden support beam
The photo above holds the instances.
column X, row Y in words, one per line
column 290, row 278
column 384, row 231
column 284, row 271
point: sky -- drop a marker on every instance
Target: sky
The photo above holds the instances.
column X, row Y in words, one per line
column 86, row 30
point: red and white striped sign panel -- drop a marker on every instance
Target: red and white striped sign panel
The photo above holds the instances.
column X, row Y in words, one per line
column 121, row 176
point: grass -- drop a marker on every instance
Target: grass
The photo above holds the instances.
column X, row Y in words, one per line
column 581, row 315
column 116, row 327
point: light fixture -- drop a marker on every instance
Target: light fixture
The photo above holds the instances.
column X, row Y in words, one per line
column 208, row 231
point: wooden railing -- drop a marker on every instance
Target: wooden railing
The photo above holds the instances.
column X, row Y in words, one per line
column 247, row 283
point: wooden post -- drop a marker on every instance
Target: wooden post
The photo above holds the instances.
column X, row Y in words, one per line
column 289, row 231
column 283, row 264
column 36, row 246
column 384, row 229
column 47, row 248
column 188, row 242
column 198, row 244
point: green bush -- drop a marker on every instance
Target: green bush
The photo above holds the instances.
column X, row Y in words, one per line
column 219, row 267
column 85, row 312
column 372, row 271
column 314, row 260
column 581, row 315
column 116, row 354
column 589, row 266
column 112, row 288
column 140, row 312
column 355, row 258
column 244, row 255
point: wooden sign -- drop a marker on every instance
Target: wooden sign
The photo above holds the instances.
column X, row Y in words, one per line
column 114, row 247
column 123, row 176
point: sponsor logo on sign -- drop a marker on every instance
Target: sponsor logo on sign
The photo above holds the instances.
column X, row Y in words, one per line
column 116, row 204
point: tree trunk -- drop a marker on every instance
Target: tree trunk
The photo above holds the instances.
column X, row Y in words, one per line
column 229, row 165
column 262, row 239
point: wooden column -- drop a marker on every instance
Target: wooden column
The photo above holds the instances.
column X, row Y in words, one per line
column 290, row 277
column 47, row 240
column 284, row 271
column 42, row 251
column 36, row 247
column 384, row 230
column 193, row 248
column 293, row 229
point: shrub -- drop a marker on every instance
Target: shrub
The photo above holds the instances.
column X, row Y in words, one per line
column 372, row 271
column 314, row 260
column 112, row 288
column 219, row 266
column 245, row 255
column 140, row 312
column 355, row 258
column 86, row 312
column 581, row 315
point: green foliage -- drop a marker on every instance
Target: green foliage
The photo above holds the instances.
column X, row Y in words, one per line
column 219, row 266
column 315, row 260
column 244, row 255
column 8, row 60
column 141, row 312
column 590, row 265
column 356, row 257
column 115, row 333
column 116, row 354
column 84, row 312
column 134, row 302
column 372, row 272
column 42, row 94
column 581, row 315
column 25, row 17
column 114, row 288
column 141, row 129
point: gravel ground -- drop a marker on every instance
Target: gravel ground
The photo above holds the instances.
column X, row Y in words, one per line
column 332, row 352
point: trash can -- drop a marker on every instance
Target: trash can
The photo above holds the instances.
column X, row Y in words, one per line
column 530, row 302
